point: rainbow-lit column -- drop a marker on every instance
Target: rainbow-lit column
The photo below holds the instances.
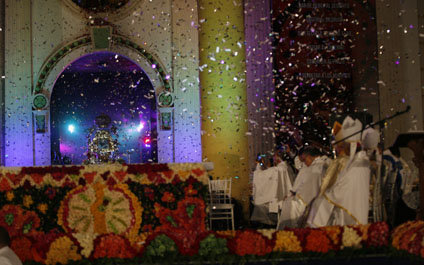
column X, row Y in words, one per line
column 223, row 93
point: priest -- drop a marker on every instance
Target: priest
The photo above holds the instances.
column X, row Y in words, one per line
column 305, row 187
column 344, row 193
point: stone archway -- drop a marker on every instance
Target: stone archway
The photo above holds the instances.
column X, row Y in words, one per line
column 69, row 53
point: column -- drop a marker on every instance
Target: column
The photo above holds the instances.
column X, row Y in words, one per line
column 260, row 87
column 399, row 66
column 18, row 110
column 223, row 93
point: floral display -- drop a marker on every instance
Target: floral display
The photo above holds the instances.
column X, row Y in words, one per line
column 409, row 237
column 154, row 212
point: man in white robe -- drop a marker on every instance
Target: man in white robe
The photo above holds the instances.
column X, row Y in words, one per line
column 344, row 194
column 269, row 187
column 305, row 187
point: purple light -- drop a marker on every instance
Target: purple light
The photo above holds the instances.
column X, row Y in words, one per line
column 411, row 26
column 272, row 99
column 167, row 77
column 222, row 61
column 153, row 66
column 300, row 84
column 397, row 62
column 313, row 84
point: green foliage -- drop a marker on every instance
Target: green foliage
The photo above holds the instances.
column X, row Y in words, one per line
column 161, row 247
column 213, row 247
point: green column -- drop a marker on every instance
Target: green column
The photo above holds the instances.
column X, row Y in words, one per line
column 223, row 93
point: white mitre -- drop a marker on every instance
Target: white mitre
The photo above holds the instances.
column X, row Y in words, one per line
column 348, row 127
column 370, row 138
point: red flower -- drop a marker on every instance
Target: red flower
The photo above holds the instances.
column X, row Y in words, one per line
column 168, row 174
column 168, row 197
column 4, row 184
column 176, row 180
column 30, row 222
column 90, row 177
column 37, row 178
column 120, row 175
column 149, row 193
column 112, row 246
column 15, row 178
column 11, row 218
column 317, row 241
column 155, row 177
column 189, row 191
column 21, row 246
column 378, row 234
column 249, row 242
column 198, row 172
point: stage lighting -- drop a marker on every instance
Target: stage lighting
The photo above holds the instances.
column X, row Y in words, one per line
column 147, row 141
column 140, row 127
column 71, row 128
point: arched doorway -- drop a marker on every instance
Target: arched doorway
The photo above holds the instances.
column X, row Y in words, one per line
column 103, row 83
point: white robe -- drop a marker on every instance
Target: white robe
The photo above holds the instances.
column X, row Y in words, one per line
column 305, row 187
column 269, row 187
column 347, row 201
column 8, row 257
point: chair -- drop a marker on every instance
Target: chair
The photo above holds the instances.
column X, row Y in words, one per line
column 220, row 206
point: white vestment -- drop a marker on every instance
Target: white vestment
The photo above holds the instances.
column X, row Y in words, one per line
column 347, row 201
column 8, row 257
column 269, row 187
column 305, row 188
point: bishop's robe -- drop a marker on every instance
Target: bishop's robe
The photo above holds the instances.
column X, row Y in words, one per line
column 346, row 202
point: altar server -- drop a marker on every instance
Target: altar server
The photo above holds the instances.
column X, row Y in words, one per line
column 305, row 187
column 344, row 193
column 269, row 187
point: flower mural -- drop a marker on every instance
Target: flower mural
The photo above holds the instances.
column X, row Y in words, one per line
column 153, row 212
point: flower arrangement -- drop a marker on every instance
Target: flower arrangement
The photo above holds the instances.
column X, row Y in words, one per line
column 157, row 211
column 409, row 237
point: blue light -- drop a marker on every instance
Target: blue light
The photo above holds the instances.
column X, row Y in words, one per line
column 71, row 128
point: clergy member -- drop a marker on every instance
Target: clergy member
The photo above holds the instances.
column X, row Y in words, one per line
column 7, row 256
column 305, row 187
column 344, row 193
column 269, row 187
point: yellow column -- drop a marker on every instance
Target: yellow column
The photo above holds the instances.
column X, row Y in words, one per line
column 223, row 93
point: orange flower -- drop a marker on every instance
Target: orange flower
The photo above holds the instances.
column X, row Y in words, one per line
column 333, row 233
column 168, row 197
column 10, row 195
column 62, row 250
column 287, row 241
column 42, row 208
column 27, row 201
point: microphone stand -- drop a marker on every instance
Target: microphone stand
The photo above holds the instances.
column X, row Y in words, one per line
column 382, row 121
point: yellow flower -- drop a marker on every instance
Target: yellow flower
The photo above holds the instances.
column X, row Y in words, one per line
column 62, row 250
column 42, row 207
column 27, row 202
column 287, row 241
column 10, row 195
